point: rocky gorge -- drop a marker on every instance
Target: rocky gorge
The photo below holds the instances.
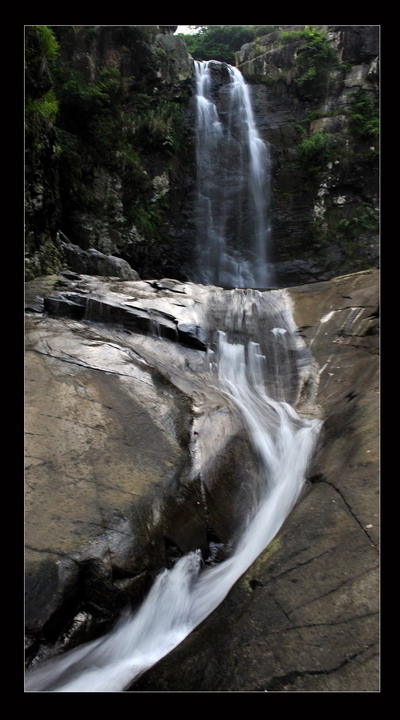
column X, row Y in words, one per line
column 119, row 443
column 135, row 455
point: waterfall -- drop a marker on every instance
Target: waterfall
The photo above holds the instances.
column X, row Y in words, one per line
column 233, row 177
column 255, row 361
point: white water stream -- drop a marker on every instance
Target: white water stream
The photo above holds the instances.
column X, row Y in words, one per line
column 185, row 595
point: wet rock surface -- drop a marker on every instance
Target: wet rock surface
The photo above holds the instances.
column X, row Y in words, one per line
column 304, row 617
column 106, row 445
column 135, row 459
column 116, row 427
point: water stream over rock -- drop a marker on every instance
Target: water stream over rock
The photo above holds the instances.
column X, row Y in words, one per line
column 256, row 381
column 242, row 351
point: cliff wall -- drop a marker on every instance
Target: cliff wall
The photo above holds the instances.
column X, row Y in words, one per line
column 315, row 96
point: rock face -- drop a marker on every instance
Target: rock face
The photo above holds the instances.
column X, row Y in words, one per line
column 315, row 97
column 42, row 196
column 107, row 447
column 94, row 262
column 112, row 166
column 304, row 617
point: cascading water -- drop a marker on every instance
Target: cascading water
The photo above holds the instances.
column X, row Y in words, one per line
column 255, row 360
column 184, row 596
column 233, row 177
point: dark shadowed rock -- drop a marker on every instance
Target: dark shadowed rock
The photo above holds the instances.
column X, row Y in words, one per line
column 94, row 262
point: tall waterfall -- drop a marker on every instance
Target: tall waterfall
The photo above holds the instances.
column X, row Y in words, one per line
column 233, row 177
column 255, row 362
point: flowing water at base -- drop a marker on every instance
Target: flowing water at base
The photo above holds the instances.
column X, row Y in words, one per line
column 184, row 596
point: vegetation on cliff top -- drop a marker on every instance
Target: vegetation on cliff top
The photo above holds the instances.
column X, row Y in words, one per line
column 42, row 152
column 314, row 61
column 41, row 105
column 220, row 42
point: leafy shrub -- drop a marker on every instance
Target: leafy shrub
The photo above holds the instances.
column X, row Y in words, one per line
column 44, row 108
column 315, row 151
column 47, row 42
column 363, row 114
column 147, row 221
column 262, row 30
column 367, row 219
column 314, row 60
column 292, row 36
column 77, row 93
column 40, row 43
column 159, row 122
column 219, row 42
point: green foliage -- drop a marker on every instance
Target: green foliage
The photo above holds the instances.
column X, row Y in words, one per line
column 40, row 43
column 364, row 118
column 103, row 127
column 131, row 162
column 40, row 109
column 366, row 220
column 69, row 145
column 258, row 48
column 220, row 42
column 89, row 133
column 160, row 123
column 344, row 226
column 298, row 127
column 129, row 34
column 85, row 97
column 148, row 221
column 314, row 60
column 289, row 36
column 47, row 42
column 89, row 113
column 314, row 152
column 261, row 30
column 311, row 115
column 346, row 67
